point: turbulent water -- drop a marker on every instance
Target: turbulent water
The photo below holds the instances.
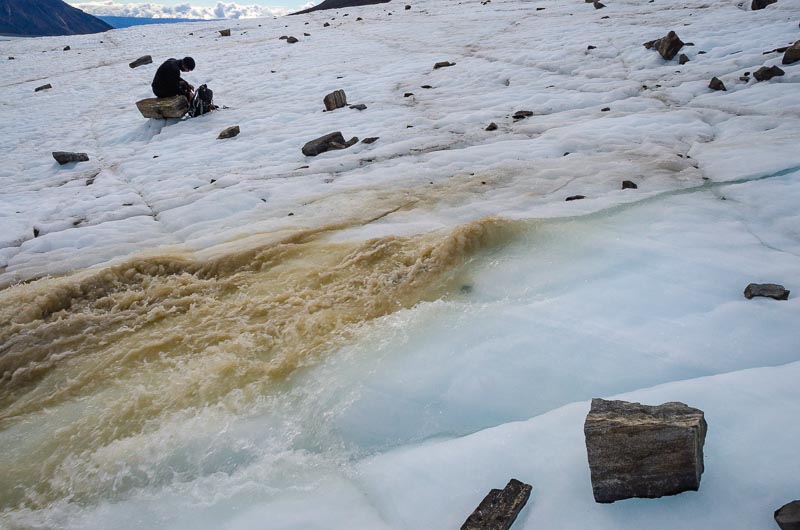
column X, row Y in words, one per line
column 95, row 361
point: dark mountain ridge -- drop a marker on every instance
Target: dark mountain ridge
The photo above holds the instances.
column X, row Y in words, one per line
column 340, row 4
column 37, row 18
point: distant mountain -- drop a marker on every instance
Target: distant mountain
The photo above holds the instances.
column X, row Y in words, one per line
column 126, row 22
column 36, row 18
column 340, row 4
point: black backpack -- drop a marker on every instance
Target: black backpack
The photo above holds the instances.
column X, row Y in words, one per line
column 202, row 102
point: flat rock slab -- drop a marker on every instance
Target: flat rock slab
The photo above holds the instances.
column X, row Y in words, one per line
column 788, row 516
column 768, row 290
column 230, row 132
column 48, row 86
column 765, row 73
column 499, row 509
column 443, row 64
column 224, row 32
column 141, row 61
column 335, row 100
column 370, row 140
column 643, row 451
column 329, row 142
column 64, row 157
column 174, row 107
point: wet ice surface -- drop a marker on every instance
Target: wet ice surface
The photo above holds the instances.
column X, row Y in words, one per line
column 635, row 294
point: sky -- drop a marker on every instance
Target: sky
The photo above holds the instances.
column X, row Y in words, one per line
column 192, row 9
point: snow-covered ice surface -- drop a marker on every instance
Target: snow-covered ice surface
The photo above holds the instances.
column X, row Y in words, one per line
column 238, row 336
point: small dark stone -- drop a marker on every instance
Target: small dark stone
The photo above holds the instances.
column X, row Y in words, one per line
column 141, row 61
column 767, row 290
column 761, row 4
column 291, row 40
column 35, row 232
column 540, row 9
column 492, row 127
column 605, row 109
column 598, row 5
column 283, row 37
column 290, row 214
column 325, row 25
column 408, row 94
column 590, row 47
column 716, row 84
column 11, row 58
column 224, row 33
column 370, row 140
column 230, row 132
column 522, row 114
column 443, row 64
column 701, row 53
column 466, row 289
column 67, row 48
column 683, row 58
column 766, row 73
column 575, row 197
column 335, row 100
column 500, row 508
column 426, row 86
column 212, row 181
column 792, row 54
column 328, row 142
column 605, row 17
column 668, row 46
column 629, row 185
column 48, row 86
column 360, row 106
column 408, row 7
column 359, row 18
column 63, row 157
column 306, row 34
column 788, row 516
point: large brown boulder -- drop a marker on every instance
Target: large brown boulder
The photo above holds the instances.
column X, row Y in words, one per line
column 329, row 142
column 335, row 100
column 644, row 451
column 788, row 516
column 174, row 107
column 668, row 46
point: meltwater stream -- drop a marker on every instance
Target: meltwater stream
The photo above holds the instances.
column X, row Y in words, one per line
column 186, row 396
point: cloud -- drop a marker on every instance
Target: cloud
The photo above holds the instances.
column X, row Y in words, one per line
column 109, row 8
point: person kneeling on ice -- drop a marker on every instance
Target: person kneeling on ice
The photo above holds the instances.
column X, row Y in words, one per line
column 168, row 82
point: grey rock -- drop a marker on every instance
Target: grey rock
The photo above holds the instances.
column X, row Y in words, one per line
column 716, row 84
column 67, row 48
column 408, row 94
column 788, row 516
column 766, row 73
column 629, row 185
column 64, row 157
column 174, row 107
column 575, row 197
column 683, row 58
column 283, row 37
column 761, row 4
column 522, row 114
column 668, row 46
column 360, row 106
column 230, row 132
column 792, row 54
column 141, row 61
column 598, row 5
column 492, row 127
column 224, row 33
column 291, row 40
column 48, row 86
column 335, row 100
column 443, row 64
column 768, row 290
column 325, row 25
column 643, row 451
column 370, row 140
column 408, row 7
column 329, row 142
column 500, row 508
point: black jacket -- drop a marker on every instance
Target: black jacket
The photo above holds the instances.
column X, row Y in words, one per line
column 167, row 81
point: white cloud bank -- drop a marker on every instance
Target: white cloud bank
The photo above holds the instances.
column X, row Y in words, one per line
column 150, row 10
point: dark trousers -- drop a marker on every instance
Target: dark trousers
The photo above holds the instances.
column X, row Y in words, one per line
column 181, row 90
